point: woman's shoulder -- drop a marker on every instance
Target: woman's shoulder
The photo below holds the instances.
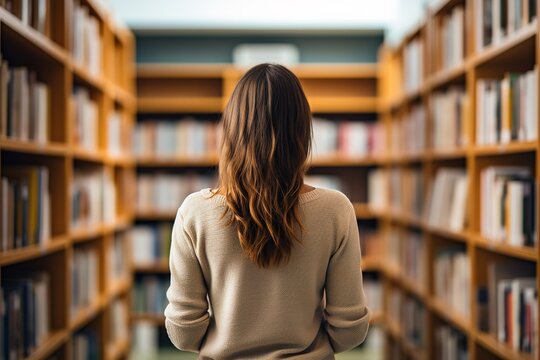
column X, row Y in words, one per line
column 200, row 201
column 328, row 198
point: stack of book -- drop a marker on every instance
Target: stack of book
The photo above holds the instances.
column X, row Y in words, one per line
column 447, row 201
column 406, row 192
column 450, row 344
column 84, row 280
column 452, row 39
column 149, row 294
column 86, row 345
column 347, row 139
column 24, row 104
column 25, row 321
column 452, row 280
column 408, row 133
column 508, row 205
column 496, row 19
column 118, row 322
column 26, row 207
column 166, row 192
column 378, row 194
column 86, row 44
column 34, row 13
column 118, row 262
column 513, row 306
column 151, row 243
column 93, row 199
column 507, row 109
column 413, row 65
column 185, row 137
column 413, row 322
column 449, row 113
column 86, row 120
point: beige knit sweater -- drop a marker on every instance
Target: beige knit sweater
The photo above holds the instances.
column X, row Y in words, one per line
column 225, row 307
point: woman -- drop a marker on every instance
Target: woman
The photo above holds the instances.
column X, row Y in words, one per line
column 266, row 266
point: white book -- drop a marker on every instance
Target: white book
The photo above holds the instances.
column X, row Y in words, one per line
column 42, row 118
column 518, row 287
column 459, row 203
column 515, row 231
column 502, row 288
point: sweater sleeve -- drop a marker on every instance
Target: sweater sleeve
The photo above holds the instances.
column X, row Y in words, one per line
column 346, row 313
column 186, row 315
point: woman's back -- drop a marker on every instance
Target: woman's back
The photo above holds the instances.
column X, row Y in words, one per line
column 266, row 313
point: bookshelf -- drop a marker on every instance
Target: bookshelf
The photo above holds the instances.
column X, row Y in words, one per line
column 458, row 61
column 178, row 93
column 43, row 45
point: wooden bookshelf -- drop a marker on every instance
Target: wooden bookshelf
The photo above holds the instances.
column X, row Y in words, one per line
column 49, row 55
column 516, row 52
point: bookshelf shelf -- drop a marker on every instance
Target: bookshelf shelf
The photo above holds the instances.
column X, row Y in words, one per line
column 155, row 215
column 28, row 39
column 118, row 350
column 153, row 318
column 501, row 149
column 54, row 341
column 445, row 312
column 500, row 350
column 377, row 318
column 448, row 76
column 520, row 44
column 180, row 105
column 119, row 288
column 87, row 314
column 161, row 267
column 85, row 77
column 343, row 104
column 525, row 253
column 460, row 236
column 338, row 161
column 364, row 211
column 443, row 155
column 441, row 6
column 26, row 147
column 207, row 161
column 31, row 252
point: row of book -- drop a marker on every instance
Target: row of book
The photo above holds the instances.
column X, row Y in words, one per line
column 186, row 137
column 371, row 242
column 498, row 19
column 507, row 108
column 86, row 119
column 93, row 198
column 84, row 279
column 452, row 280
column 449, row 111
column 26, row 207
column 450, row 344
column 374, row 294
column 117, row 140
column 413, row 65
column 149, row 294
column 33, row 13
column 508, row 205
column 406, row 254
column 446, row 205
column 151, row 243
column 86, row 41
column 408, row 133
column 24, row 104
column 406, row 191
column 166, row 192
column 86, row 345
column 118, row 262
column 25, row 321
column 409, row 315
column 512, row 305
column 348, row 139
column 452, row 29
column 119, row 322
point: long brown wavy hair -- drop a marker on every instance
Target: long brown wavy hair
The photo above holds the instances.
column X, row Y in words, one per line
column 265, row 144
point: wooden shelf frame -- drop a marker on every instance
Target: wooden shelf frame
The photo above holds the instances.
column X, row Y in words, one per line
column 116, row 88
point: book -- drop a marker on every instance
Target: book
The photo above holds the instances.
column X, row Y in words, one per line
column 84, row 280
column 32, row 13
column 118, row 261
column 413, row 65
column 86, row 344
column 450, row 121
column 508, row 206
column 115, row 142
column 452, row 280
column 86, row 39
column 378, row 189
column 85, row 119
column 119, row 325
column 149, row 294
column 506, row 110
column 451, row 38
column 374, row 294
column 151, row 243
column 25, row 305
column 145, row 338
column 408, row 133
column 166, row 192
column 450, row 344
column 26, row 100
column 26, row 207
column 446, row 202
column 93, row 198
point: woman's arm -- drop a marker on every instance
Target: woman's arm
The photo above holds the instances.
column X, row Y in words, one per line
column 186, row 316
column 346, row 314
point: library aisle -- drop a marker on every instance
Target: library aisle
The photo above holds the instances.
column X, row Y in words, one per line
column 425, row 114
